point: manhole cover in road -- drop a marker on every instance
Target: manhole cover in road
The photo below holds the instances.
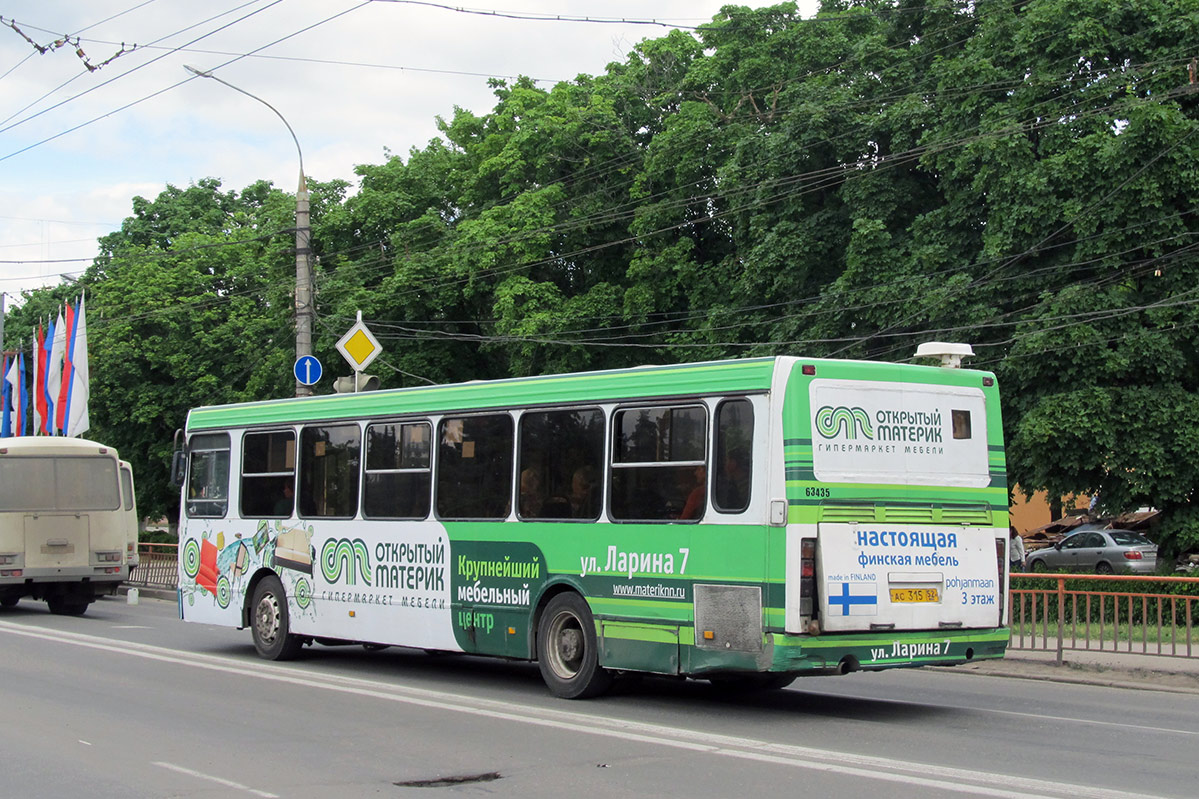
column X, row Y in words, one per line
column 444, row 782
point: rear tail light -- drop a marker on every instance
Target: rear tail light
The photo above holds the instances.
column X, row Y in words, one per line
column 11, row 572
column 807, row 576
column 1133, row 554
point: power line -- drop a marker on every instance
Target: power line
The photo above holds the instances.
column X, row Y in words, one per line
column 129, row 71
column 340, row 63
column 179, row 83
column 535, row 17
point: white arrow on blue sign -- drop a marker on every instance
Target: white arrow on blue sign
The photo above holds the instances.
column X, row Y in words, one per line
column 307, row 370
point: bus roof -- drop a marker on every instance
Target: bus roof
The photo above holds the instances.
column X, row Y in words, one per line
column 641, row 382
column 751, row 374
column 53, row 445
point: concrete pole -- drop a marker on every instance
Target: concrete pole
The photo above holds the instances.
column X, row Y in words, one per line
column 304, row 307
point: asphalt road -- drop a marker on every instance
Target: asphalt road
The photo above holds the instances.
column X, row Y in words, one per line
column 127, row 701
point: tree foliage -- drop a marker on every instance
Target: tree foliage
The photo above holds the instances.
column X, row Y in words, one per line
column 1017, row 175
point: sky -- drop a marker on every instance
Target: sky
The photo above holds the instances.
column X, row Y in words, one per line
column 354, row 80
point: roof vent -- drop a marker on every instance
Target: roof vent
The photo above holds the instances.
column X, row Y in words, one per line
column 950, row 354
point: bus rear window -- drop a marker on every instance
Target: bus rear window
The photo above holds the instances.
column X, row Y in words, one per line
column 47, row 483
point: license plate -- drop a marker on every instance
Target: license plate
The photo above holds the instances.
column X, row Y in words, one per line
column 915, row 595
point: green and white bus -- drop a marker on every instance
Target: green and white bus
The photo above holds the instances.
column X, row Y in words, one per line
column 741, row 521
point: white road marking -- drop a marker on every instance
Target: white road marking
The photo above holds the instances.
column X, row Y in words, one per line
column 945, row 778
column 218, row 780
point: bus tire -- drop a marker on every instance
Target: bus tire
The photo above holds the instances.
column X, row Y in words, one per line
column 66, row 606
column 269, row 622
column 9, row 601
column 568, row 651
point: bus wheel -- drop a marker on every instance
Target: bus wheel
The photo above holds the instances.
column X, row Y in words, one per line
column 9, row 601
column 66, row 606
column 567, row 650
column 270, row 625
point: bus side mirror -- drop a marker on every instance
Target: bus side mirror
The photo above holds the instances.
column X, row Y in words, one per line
column 178, row 468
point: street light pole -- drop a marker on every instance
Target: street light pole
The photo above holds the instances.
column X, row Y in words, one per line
column 304, row 306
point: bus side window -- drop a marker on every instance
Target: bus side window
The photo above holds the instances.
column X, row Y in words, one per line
column 474, row 467
column 561, row 464
column 268, row 466
column 398, row 479
column 208, row 476
column 329, row 467
column 127, row 487
column 734, row 455
column 659, row 463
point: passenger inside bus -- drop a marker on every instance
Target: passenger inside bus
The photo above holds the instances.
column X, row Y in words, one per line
column 732, row 481
column 584, row 493
column 693, row 508
column 532, row 496
column 285, row 501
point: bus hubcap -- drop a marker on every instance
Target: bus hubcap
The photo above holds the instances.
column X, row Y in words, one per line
column 267, row 618
column 570, row 646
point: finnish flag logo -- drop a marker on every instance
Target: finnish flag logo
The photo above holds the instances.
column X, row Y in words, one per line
column 853, row 599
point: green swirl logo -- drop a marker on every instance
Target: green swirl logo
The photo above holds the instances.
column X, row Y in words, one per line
column 303, row 593
column 191, row 558
column 832, row 422
column 345, row 556
column 223, row 592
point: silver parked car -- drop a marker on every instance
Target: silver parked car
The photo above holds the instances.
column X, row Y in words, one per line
column 1102, row 551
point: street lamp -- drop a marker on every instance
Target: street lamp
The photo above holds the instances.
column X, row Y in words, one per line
column 304, row 308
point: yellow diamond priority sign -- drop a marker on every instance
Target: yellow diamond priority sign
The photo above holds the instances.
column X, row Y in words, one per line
column 359, row 346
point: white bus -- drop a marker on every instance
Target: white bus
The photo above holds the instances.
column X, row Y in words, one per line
column 68, row 521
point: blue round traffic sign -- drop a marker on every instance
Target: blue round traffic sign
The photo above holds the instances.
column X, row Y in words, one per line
column 307, row 370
